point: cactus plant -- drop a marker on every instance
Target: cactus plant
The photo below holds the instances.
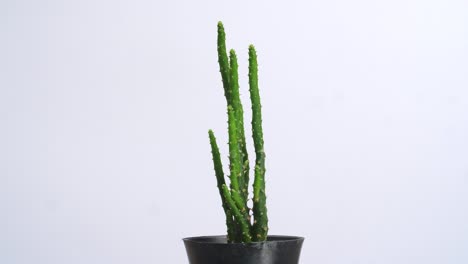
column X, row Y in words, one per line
column 242, row 226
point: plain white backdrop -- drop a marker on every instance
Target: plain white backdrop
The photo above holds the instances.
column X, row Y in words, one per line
column 105, row 108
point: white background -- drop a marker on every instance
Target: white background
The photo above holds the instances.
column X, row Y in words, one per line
column 105, row 107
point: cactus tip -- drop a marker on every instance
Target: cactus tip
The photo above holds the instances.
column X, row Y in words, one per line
column 232, row 52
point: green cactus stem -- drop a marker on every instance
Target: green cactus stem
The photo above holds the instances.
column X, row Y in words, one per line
column 223, row 60
column 235, row 161
column 260, row 226
column 218, row 167
column 243, row 223
column 239, row 115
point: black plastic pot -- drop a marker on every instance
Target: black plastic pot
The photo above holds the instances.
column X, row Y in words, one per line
column 216, row 250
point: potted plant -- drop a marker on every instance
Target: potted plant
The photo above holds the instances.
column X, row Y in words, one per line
column 247, row 240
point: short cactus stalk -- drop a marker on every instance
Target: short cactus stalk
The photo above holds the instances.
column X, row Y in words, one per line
column 242, row 227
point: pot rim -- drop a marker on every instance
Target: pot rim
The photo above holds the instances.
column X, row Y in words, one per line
column 216, row 239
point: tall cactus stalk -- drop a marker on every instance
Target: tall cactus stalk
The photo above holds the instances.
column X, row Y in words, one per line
column 239, row 116
column 241, row 227
column 260, row 226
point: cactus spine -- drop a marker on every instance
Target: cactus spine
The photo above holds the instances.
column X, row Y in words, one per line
column 234, row 200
